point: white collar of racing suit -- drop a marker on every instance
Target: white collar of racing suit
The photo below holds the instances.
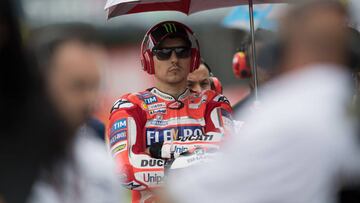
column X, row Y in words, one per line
column 168, row 97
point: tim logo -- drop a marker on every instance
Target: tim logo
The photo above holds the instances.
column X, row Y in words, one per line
column 183, row 133
column 118, row 125
column 170, row 27
column 150, row 100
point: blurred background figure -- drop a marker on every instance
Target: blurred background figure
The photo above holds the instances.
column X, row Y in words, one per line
column 266, row 63
column 69, row 60
column 203, row 79
column 302, row 145
column 199, row 80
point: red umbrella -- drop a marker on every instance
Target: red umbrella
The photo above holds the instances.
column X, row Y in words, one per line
column 124, row 7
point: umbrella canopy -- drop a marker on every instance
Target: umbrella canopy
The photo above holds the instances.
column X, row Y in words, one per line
column 265, row 16
column 123, row 7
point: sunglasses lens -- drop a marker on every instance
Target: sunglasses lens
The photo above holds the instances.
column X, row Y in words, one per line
column 183, row 52
column 165, row 53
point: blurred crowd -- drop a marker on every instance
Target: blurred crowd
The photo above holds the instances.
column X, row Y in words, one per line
column 293, row 138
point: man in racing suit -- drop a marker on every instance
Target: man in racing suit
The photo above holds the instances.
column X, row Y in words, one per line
column 160, row 123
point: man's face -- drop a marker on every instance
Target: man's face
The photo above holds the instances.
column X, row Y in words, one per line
column 199, row 79
column 173, row 70
column 73, row 81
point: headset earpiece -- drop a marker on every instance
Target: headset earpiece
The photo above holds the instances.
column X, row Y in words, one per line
column 148, row 61
column 216, row 85
column 195, row 60
column 240, row 65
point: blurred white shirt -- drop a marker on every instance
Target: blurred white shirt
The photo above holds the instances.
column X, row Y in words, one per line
column 299, row 147
column 86, row 177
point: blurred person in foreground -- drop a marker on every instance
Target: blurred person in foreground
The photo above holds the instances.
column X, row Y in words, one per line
column 160, row 124
column 27, row 142
column 302, row 145
column 203, row 79
column 69, row 59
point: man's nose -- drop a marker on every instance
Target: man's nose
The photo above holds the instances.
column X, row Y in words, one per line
column 90, row 98
column 196, row 88
column 173, row 57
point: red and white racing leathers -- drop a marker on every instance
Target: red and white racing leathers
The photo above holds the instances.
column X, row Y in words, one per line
column 139, row 120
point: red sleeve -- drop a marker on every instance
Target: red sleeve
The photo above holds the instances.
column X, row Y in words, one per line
column 137, row 169
column 218, row 117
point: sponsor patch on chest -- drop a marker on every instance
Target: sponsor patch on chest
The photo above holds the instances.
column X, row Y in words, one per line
column 183, row 134
column 150, row 100
column 155, row 106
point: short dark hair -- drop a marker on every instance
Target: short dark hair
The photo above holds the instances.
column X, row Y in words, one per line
column 202, row 61
column 45, row 41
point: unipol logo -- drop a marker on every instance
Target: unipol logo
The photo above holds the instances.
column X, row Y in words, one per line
column 152, row 178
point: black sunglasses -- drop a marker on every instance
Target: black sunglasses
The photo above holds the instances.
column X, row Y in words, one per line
column 165, row 53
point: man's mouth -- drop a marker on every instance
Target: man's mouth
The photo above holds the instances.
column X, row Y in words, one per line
column 174, row 68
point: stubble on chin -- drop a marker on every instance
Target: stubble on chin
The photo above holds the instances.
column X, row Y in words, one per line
column 175, row 77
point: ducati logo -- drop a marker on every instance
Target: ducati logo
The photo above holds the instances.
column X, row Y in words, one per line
column 176, row 105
